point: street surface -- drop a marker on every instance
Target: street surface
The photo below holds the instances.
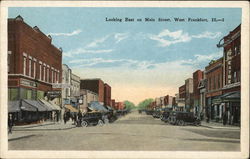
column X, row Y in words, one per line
column 133, row 132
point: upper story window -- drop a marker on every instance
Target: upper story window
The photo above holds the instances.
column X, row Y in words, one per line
column 40, row 71
column 9, row 58
column 30, row 65
column 44, row 73
column 24, row 65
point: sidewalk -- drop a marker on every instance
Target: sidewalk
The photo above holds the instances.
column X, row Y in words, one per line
column 45, row 126
column 215, row 125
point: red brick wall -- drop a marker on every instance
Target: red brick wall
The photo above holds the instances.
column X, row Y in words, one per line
column 197, row 76
column 22, row 38
column 107, row 94
column 94, row 85
column 214, row 75
column 182, row 91
column 234, row 46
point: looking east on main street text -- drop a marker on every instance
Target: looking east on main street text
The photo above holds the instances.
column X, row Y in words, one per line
column 128, row 19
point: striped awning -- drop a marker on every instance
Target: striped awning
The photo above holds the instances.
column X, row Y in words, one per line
column 71, row 108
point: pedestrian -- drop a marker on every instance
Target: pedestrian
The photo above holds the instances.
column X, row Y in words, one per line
column 10, row 123
column 79, row 118
column 224, row 118
column 65, row 118
column 208, row 117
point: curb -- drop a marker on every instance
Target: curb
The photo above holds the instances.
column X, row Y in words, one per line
column 32, row 126
column 21, row 137
column 44, row 129
column 211, row 127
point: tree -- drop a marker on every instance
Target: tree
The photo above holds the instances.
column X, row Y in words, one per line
column 129, row 105
column 145, row 103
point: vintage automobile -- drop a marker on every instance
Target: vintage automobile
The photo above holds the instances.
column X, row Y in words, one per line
column 164, row 116
column 183, row 118
column 157, row 113
column 92, row 118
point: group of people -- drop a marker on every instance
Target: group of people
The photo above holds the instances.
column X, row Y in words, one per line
column 75, row 117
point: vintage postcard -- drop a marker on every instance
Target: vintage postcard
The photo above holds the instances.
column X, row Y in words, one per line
column 124, row 79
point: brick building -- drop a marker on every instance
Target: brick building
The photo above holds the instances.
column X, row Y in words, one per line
column 214, row 76
column 197, row 77
column 34, row 63
column 181, row 97
column 94, row 85
column 119, row 105
column 113, row 103
column 189, row 94
column 232, row 75
column 107, row 95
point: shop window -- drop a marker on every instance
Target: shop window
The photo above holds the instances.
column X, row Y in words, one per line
column 23, row 93
column 40, row 94
column 29, row 94
column 13, row 94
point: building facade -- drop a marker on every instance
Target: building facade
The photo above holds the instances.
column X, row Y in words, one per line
column 232, row 75
column 66, row 83
column 87, row 97
column 189, row 94
column 74, row 89
column 34, row 63
column 94, row 85
column 197, row 77
column 214, row 76
column 182, row 96
column 107, row 95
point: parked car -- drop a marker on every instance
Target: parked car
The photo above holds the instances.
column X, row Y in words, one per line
column 165, row 115
column 157, row 113
column 92, row 118
column 183, row 118
column 149, row 112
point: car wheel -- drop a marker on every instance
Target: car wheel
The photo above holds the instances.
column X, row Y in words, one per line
column 181, row 122
column 84, row 123
column 161, row 117
column 100, row 123
column 106, row 121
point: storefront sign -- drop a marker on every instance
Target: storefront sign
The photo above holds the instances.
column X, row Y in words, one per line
column 61, row 85
column 25, row 82
column 54, row 94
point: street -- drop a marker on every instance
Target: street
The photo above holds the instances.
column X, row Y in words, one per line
column 133, row 132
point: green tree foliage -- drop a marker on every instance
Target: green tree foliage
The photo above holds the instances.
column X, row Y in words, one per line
column 129, row 105
column 145, row 103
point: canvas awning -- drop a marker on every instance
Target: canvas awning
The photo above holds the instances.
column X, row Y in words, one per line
column 14, row 106
column 52, row 106
column 227, row 97
column 35, row 103
column 71, row 108
column 25, row 106
column 97, row 106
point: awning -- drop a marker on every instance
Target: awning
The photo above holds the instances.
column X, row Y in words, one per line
column 97, row 106
column 14, row 106
column 227, row 97
column 35, row 103
column 52, row 106
column 71, row 108
column 28, row 107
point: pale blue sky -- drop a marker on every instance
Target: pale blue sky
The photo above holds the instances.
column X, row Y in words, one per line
column 153, row 57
